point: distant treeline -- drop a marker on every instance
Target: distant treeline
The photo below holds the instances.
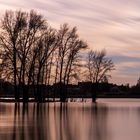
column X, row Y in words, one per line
column 80, row 90
column 33, row 54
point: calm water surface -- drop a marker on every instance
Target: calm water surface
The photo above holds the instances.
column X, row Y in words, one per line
column 106, row 120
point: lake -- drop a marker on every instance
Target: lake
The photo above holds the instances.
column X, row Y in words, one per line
column 108, row 119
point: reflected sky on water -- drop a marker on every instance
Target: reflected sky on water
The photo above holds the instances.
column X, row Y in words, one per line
column 106, row 120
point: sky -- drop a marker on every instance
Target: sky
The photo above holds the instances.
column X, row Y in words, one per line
column 113, row 25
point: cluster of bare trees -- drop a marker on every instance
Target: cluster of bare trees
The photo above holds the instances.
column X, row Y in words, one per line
column 33, row 53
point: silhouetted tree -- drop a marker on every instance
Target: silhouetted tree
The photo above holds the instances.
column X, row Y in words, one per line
column 28, row 39
column 45, row 48
column 69, row 47
column 138, row 82
column 11, row 27
column 20, row 32
column 98, row 66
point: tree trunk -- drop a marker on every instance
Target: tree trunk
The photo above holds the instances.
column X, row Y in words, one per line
column 15, row 74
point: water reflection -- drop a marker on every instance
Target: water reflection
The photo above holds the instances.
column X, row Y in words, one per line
column 68, row 121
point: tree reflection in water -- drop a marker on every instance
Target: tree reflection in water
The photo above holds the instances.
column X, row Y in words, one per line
column 59, row 121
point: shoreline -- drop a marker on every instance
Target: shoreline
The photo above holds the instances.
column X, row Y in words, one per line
column 12, row 100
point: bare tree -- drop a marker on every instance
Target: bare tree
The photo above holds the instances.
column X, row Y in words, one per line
column 11, row 25
column 69, row 47
column 45, row 48
column 98, row 66
column 29, row 38
column 20, row 31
